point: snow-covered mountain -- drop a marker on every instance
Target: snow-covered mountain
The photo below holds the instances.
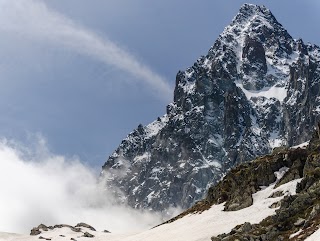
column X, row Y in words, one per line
column 256, row 89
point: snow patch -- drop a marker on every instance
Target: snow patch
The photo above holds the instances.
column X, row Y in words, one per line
column 153, row 128
column 143, row 157
column 279, row 93
column 302, row 145
column 150, row 196
column 182, row 165
column 295, row 234
column 275, row 142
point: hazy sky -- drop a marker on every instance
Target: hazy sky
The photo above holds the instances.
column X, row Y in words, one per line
column 84, row 73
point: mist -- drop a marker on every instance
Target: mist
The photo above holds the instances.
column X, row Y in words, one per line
column 40, row 187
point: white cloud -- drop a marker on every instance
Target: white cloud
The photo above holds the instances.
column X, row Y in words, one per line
column 33, row 19
column 39, row 187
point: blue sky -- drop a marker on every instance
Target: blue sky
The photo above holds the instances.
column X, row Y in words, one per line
column 83, row 74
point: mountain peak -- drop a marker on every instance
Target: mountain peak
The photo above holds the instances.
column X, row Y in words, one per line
column 249, row 10
column 256, row 89
column 256, row 22
column 249, row 7
column 252, row 17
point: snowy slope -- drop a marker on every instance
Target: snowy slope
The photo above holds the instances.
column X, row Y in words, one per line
column 194, row 227
column 314, row 237
column 278, row 196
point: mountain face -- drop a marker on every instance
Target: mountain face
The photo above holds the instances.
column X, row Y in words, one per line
column 256, row 89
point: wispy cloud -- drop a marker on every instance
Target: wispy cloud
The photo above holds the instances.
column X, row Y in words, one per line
column 33, row 19
column 39, row 187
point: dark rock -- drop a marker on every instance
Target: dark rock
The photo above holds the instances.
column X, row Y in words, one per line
column 215, row 239
column 276, row 194
column 84, row 225
column 88, row 235
column 254, row 62
column 246, row 227
column 35, row 231
column 315, row 211
column 44, row 238
column 38, row 230
column 275, row 205
column 74, row 229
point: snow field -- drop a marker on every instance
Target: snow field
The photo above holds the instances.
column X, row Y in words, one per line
column 193, row 227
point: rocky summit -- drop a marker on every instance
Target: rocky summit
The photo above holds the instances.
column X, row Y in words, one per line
column 255, row 90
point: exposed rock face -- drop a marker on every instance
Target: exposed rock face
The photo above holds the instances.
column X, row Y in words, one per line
column 254, row 61
column 256, row 89
column 297, row 216
column 237, row 187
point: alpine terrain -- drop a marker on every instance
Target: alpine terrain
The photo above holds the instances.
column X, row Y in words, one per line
column 256, row 89
column 272, row 198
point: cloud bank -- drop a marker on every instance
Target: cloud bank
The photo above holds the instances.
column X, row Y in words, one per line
column 33, row 19
column 39, row 187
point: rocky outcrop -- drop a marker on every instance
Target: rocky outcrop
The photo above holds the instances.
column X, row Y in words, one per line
column 297, row 216
column 84, row 225
column 81, row 228
column 256, row 89
column 237, row 187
